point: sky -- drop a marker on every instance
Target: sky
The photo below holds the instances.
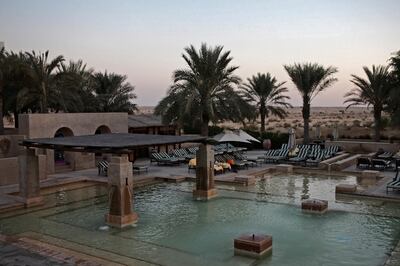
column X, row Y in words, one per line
column 145, row 39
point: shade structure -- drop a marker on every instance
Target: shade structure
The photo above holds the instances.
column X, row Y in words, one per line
column 244, row 135
column 229, row 136
column 292, row 138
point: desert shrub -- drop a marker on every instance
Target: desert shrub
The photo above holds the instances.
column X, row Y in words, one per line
column 356, row 123
column 385, row 122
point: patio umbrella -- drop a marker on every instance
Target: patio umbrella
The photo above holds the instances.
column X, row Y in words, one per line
column 335, row 132
column 229, row 136
column 243, row 134
column 292, row 139
column 318, row 131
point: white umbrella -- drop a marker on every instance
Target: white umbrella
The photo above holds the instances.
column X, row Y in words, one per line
column 318, row 131
column 292, row 139
column 335, row 132
column 246, row 136
column 229, row 136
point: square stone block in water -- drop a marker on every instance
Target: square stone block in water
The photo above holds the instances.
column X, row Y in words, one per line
column 252, row 245
column 284, row 168
column 314, row 205
column 346, row 188
column 245, row 180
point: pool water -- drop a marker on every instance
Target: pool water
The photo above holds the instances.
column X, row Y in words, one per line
column 175, row 230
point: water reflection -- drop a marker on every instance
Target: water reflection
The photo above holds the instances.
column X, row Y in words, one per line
column 306, row 188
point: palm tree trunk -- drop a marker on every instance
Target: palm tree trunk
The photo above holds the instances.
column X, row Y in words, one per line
column 377, row 120
column 262, row 115
column 16, row 119
column 1, row 117
column 204, row 125
column 306, row 118
column 44, row 99
column 1, row 110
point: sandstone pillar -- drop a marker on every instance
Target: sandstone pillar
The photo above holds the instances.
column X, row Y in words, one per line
column 120, row 177
column 204, row 173
column 29, row 177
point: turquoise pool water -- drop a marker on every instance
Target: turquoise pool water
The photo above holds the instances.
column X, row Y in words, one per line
column 175, row 230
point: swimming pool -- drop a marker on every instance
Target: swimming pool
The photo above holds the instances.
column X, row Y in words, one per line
column 175, row 230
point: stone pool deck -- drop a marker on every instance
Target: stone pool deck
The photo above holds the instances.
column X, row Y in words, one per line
column 29, row 251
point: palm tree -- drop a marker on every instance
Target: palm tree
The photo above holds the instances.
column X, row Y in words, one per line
column 394, row 98
column 41, row 94
column 75, row 85
column 375, row 91
column 268, row 94
column 205, row 89
column 2, row 78
column 113, row 93
column 310, row 79
column 15, row 79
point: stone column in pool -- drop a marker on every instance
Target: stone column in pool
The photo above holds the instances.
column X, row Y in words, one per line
column 204, row 173
column 29, row 178
column 120, row 178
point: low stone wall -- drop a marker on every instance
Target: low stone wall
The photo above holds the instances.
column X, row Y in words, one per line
column 9, row 145
column 363, row 146
column 342, row 164
column 325, row 164
column 9, row 171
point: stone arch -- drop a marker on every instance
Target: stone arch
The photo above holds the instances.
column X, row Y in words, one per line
column 60, row 156
column 103, row 129
column 63, row 132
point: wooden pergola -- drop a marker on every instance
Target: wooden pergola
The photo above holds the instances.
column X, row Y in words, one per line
column 120, row 145
column 114, row 143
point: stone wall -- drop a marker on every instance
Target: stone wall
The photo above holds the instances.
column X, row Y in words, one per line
column 364, row 146
column 46, row 125
column 9, row 145
column 76, row 124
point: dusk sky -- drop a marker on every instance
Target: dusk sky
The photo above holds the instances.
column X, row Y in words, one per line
column 145, row 39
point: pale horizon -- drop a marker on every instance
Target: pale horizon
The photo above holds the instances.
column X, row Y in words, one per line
column 145, row 39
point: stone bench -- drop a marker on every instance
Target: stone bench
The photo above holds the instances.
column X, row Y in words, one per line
column 342, row 164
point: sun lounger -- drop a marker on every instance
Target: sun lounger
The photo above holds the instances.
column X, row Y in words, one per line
column 102, row 167
column 385, row 156
column 244, row 158
column 193, row 150
column 171, row 157
column 301, row 156
column 140, row 167
column 380, row 164
column 363, row 163
column 162, row 159
column 283, row 154
column 239, row 164
column 315, row 160
column 395, row 183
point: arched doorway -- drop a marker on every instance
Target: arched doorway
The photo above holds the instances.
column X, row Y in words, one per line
column 59, row 156
column 101, row 130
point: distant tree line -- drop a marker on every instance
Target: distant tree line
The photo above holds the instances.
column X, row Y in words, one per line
column 209, row 91
column 32, row 82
